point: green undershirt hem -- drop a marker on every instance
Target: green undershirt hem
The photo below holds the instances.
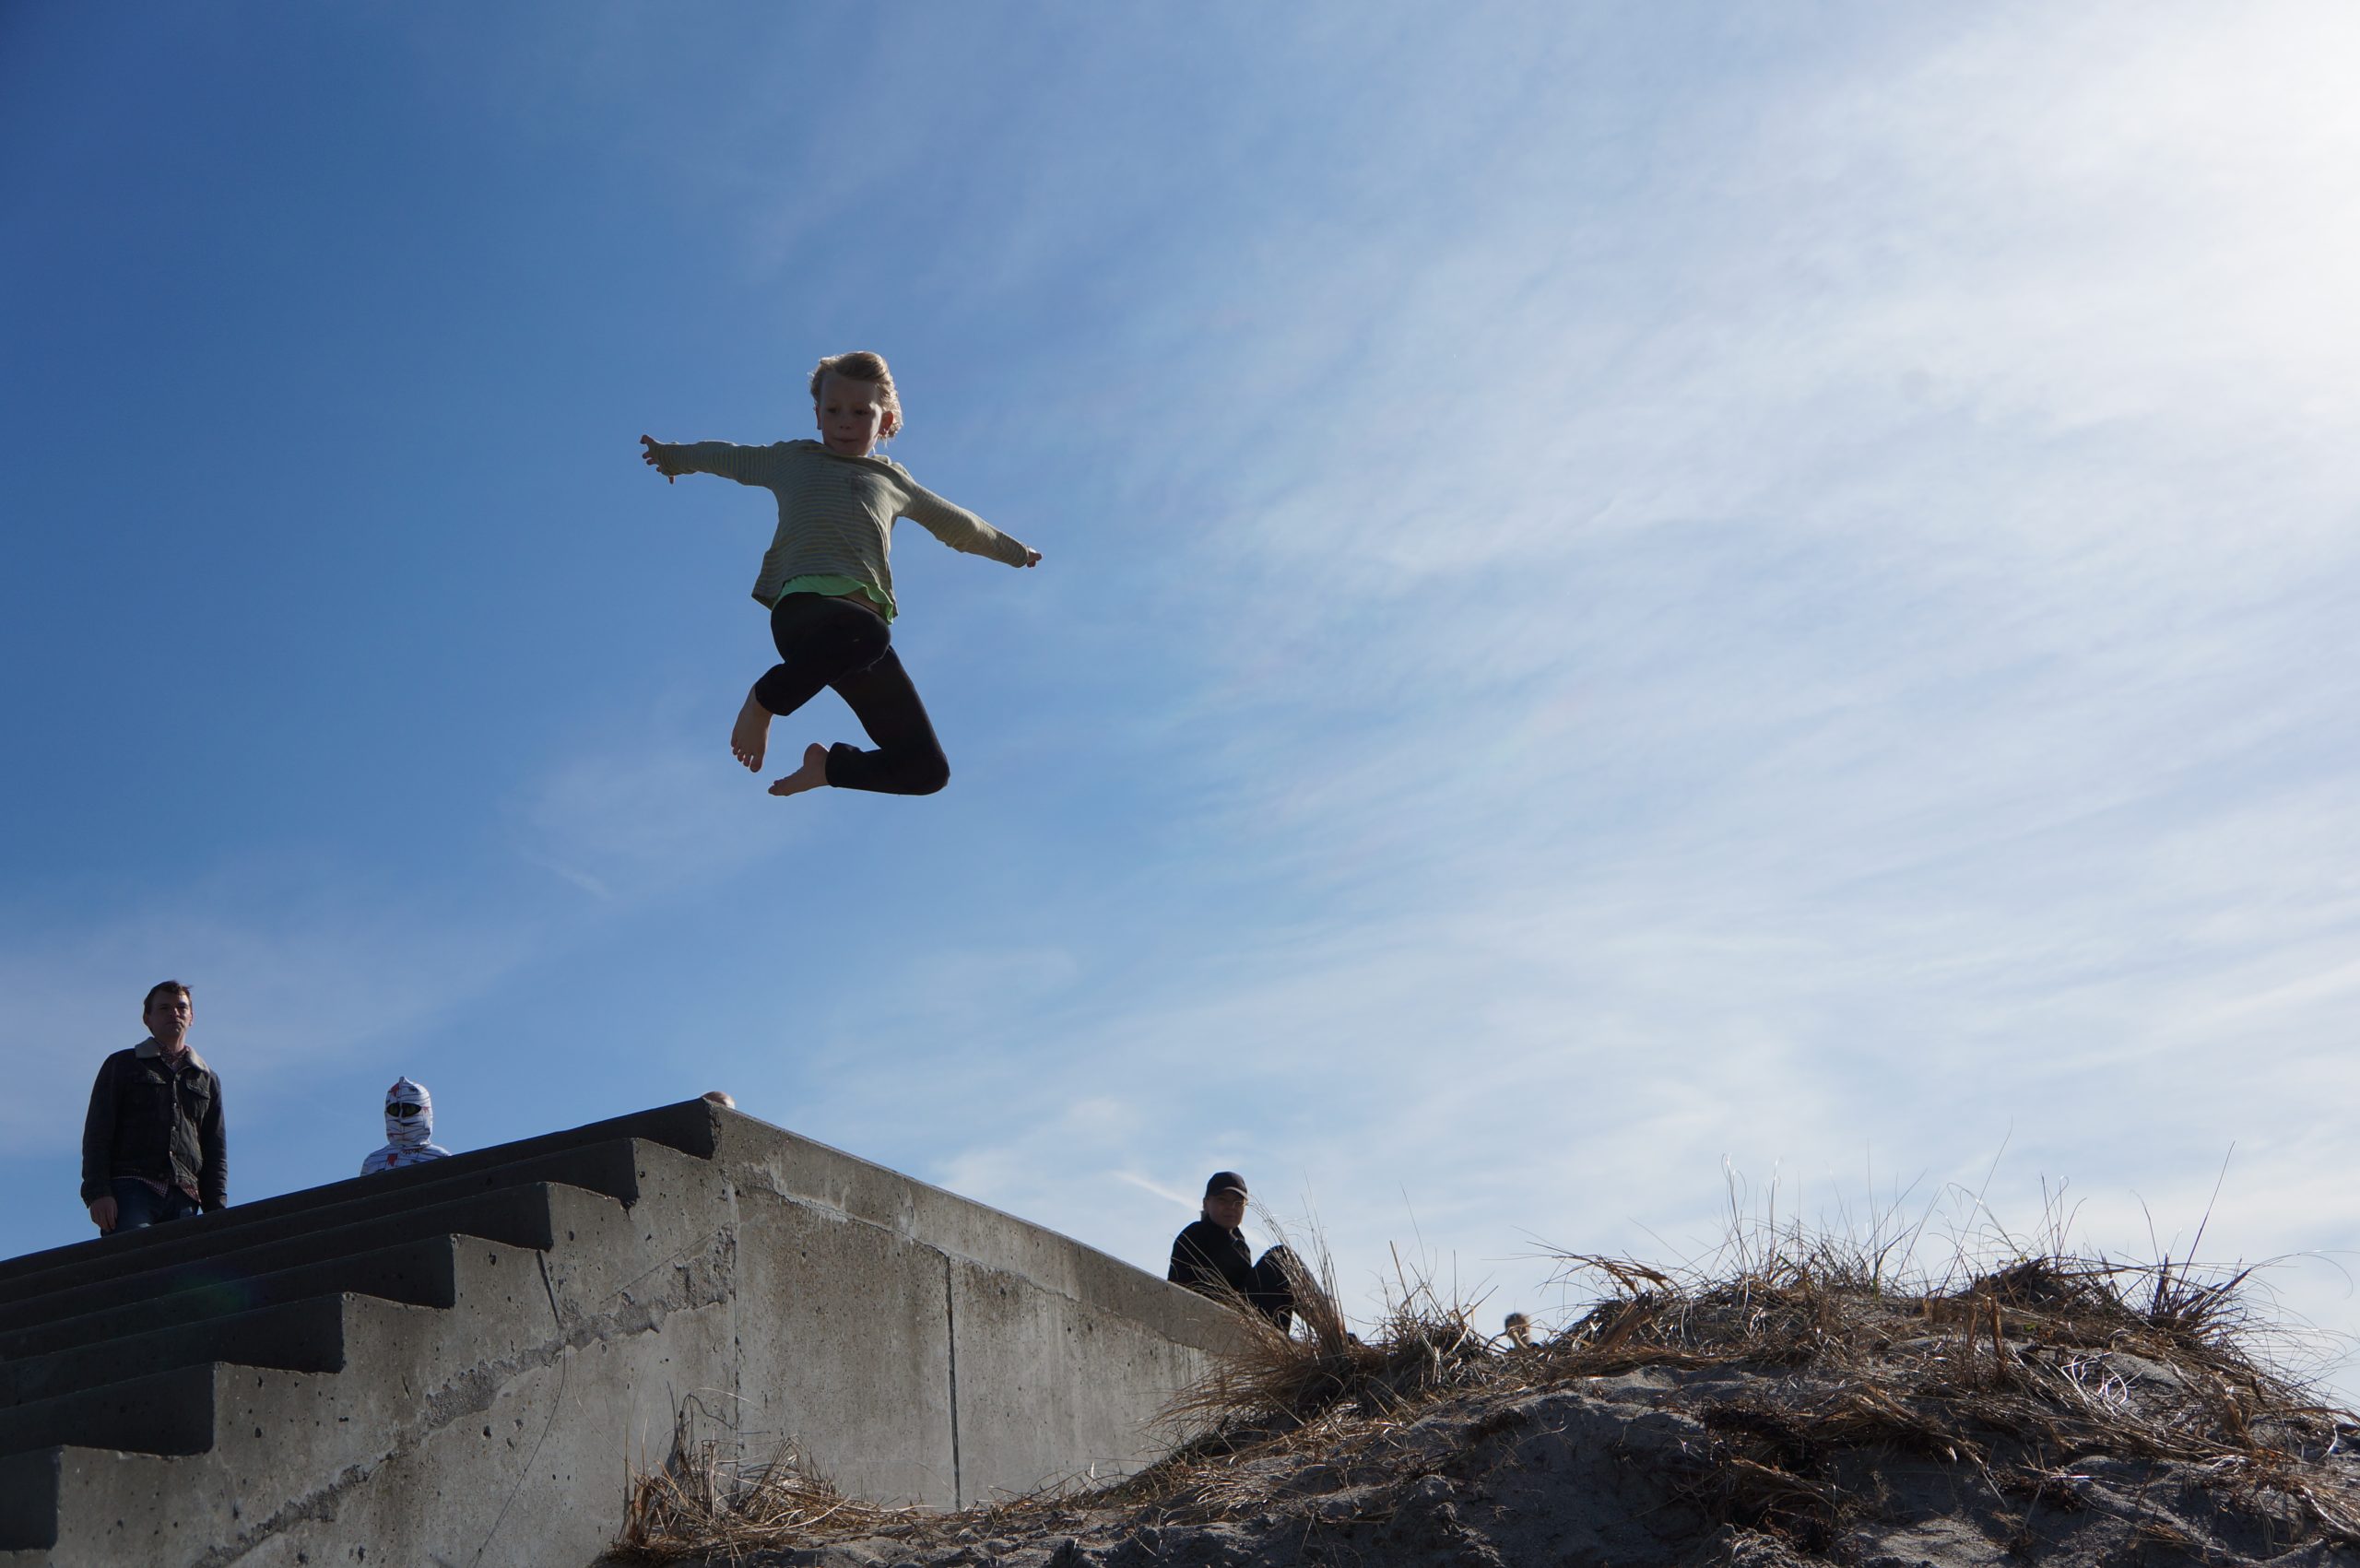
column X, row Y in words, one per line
column 834, row 587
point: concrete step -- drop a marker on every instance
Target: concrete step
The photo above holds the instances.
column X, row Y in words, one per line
column 518, row 1216
column 920, row 1348
column 300, row 1336
column 687, row 1126
column 612, row 1261
column 29, row 1485
column 166, row 1412
column 168, row 1400
column 209, row 1257
column 201, row 1463
column 417, row 1272
column 602, row 1165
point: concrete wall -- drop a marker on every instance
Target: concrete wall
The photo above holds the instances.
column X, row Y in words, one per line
column 915, row 1346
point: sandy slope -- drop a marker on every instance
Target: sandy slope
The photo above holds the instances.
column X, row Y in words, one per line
column 1694, row 1465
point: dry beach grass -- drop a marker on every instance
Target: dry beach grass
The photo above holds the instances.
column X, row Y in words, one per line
column 1799, row 1395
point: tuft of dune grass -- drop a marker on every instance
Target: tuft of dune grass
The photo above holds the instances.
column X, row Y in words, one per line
column 2037, row 1364
column 2018, row 1365
column 2015, row 1366
column 701, row 1502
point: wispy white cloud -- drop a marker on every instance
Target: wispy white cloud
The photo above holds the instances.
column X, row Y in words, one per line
column 651, row 803
column 1643, row 598
column 295, row 967
column 1852, row 667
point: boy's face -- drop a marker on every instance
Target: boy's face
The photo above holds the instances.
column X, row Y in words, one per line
column 853, row 415
column 1226, row 1208
column 168, row 1018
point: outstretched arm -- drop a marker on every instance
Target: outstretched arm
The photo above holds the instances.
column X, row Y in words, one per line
column 963, row 530
column 665, row 460
column 747, row 464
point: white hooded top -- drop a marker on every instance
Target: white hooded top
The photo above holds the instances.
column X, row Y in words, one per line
column 406, row 1137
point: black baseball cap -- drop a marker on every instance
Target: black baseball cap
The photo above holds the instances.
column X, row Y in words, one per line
column 1224, row 1181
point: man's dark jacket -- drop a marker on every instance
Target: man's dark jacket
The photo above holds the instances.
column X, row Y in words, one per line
column 1212, row 1259
column 1207, row 1257
column 150, row 1118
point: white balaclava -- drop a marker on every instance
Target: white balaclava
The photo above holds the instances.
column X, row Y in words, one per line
column 416, row 1130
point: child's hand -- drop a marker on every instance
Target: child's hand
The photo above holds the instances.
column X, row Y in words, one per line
column 659, row 457
column 1031, row 556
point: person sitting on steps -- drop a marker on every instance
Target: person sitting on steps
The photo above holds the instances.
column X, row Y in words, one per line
column 1213, row 1258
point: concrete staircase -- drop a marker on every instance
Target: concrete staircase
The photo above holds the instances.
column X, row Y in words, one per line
column 463, row 1362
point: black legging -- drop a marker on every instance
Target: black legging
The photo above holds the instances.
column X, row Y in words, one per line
column 835, row 642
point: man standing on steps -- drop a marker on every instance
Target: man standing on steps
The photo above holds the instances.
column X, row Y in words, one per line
column 153, row 1148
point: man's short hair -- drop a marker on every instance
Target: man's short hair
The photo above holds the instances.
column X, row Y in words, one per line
column 157, row 990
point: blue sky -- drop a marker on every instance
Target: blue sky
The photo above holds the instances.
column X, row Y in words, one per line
column 1629, row 593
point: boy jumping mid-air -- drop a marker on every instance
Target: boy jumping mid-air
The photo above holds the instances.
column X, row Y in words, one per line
column 827, row 583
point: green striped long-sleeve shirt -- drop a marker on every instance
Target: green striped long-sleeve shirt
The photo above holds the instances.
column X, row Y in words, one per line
column 836, row 513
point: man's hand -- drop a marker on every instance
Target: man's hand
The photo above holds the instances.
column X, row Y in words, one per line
column 103, row 1213
column 659, row 457
column 1031, row 556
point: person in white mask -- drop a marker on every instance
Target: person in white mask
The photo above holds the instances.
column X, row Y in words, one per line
column 409, row 1124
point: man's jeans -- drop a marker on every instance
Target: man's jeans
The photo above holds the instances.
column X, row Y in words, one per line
column 137, row 1205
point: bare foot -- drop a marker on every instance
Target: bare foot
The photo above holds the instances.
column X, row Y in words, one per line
column 750, row 736
column 812, row 775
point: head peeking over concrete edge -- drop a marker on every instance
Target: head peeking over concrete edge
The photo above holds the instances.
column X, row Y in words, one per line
column 409, row 1129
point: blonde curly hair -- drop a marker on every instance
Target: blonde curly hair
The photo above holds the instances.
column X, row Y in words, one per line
column 862, row 365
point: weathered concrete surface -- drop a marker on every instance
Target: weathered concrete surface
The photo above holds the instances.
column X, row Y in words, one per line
column 253, row 1391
